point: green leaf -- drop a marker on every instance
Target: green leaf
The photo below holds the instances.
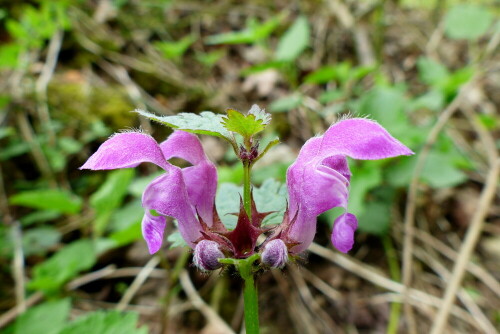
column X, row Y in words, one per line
column 140, row 184
column 375, row 218
column 294, row 41
column 321, row 75
column 245, row 125
column 48, row 199
column 431, row 72
column 467, row 21
column 39, row 216
column 366, row 176
column 174, row 50
column 46, row 318
column 253, row 33
column 109, row 196
column 176, row 240
column 331, row 95
column 111, row 322
column 270, row 196
column 63, row 266
column 286, row 103
column 39, row 240
column 206, row 123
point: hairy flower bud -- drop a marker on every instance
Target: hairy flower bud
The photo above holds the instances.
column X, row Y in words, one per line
column 207, row 255
column 275, row 254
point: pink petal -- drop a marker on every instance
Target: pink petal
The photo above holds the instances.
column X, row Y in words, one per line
column 125, row 150
column 343, row 232
column 153, row 228
column 201, row 178
column 319, row 179
column 167, row 195
column 362, row 139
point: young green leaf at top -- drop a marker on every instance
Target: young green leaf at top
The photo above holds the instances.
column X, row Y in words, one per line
column 247, row 125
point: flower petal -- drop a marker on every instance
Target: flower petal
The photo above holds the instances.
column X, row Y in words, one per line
column 125, row 150
column 167, row 195
column 152, row 231
column 201, row 178
column 362, row 139
column 343, row 232
column 314, row 189
column 319, row 179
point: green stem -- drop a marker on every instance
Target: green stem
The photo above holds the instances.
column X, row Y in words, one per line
column 250, row 296
column 247, row 198
column 392, row 327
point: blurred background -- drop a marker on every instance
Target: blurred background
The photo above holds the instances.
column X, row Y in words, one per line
column 72, row 258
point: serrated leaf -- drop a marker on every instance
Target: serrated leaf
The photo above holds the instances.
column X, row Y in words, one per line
column 467, row 21
column 112, row 322
column 294, row 41
column 46, row 318
column 48, row 199
column 260, row 114
column 206, row 123
column 245, row 125
column 64, row 265
column 176, row 240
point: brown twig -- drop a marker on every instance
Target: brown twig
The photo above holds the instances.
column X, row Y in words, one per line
column 475, row 227
column 411, row 202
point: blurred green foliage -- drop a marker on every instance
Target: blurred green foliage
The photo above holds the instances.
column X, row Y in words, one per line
column 107, row 204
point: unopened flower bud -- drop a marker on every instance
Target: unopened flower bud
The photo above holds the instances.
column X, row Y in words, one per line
column 275, row 254
column 207, row 255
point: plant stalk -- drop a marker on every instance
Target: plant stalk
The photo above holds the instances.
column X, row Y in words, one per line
column 250, row 296
column 247, row 197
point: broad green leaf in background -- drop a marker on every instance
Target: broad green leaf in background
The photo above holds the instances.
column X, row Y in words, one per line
column 286, row 103
column 48, row 199
column 387, row 106
column 138, row 185
column 366, row 176
column 432, row 72
column 270, row 196
column 206, row 123
column 443, row 167
column 39, row 216
column 376, row 217
column 294, row 41
column 111, row 322
column 109, row 196
column 125, row 223
column 175, row 49
column 321, row 75
column 39, row 240
column 63, row 266
column 467, row 21
column 254, row 32
column 46, row 318
column 176, row 240
column 331, row 95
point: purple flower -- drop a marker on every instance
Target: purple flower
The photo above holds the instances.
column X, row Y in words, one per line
column 187, row 194
column 319, row 181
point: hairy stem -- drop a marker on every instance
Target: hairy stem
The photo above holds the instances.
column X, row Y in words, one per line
column 250, row 296
column 247, row 198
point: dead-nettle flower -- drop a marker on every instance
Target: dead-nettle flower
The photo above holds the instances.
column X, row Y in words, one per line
column 317, row 181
